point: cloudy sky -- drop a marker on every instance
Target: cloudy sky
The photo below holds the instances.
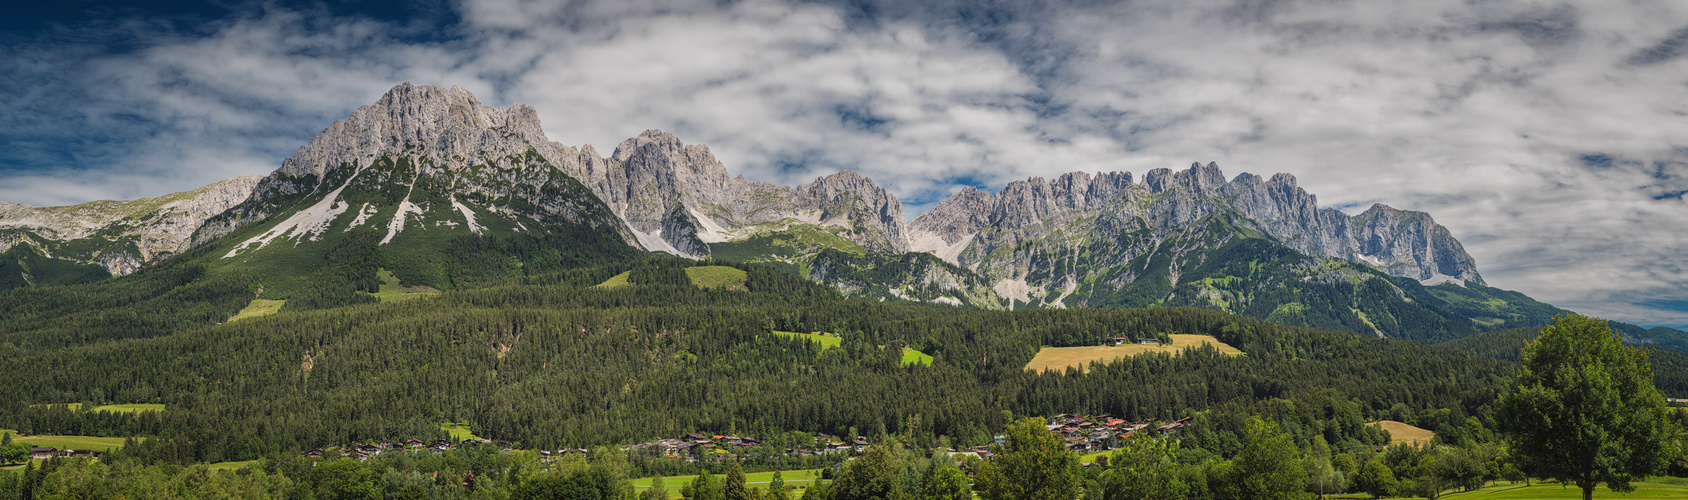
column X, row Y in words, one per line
column 1550, row 137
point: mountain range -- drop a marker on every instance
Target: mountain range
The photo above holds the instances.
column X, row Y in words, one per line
column 445, row 192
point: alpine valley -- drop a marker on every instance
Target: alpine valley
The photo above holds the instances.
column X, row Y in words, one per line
column 433, row 300
column 429, row 189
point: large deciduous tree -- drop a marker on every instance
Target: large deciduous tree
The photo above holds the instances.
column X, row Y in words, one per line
column 1584, row 410
column 1033, row 465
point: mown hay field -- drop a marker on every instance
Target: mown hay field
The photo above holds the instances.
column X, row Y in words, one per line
column 1059, row 358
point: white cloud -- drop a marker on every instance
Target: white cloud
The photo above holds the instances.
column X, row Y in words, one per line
column 1480, row 114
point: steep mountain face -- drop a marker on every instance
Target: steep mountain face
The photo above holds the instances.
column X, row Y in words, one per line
column 679, row 199
column 428, row 183
column 1041, row 241
column 119, row 236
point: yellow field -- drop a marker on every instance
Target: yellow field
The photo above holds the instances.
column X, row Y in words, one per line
column 1403, row 433
column 1059, row 358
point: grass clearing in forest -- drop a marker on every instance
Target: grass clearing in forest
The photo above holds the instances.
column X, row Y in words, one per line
column 1402, row 433
column 912, row 357
column 70, row 442
column 459, row 431
column 824, row 339
column 392, row 290
column 1644, row 490
column 723, row 277
column 258, row 309
column 617, row 281
column 231, row 465
column 793, row 478
column 1059, row 358
column 827, row 340
column 130, row 408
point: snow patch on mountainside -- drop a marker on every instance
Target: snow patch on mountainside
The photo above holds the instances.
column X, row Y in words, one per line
column 309, row 223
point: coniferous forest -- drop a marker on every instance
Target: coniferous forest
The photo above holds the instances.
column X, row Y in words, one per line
column 551, row 360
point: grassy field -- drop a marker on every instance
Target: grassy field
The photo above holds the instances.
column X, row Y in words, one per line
column 723, row 277
column 69, row 442
column 1643, row 491
column 824, row 339
column 617, row 281
column 793, row 478
column 259, row 308
column 1403, row 433
column 231, row 465
column 391, row 290
column 459, row 431
column 910, row 356
column 1059, row 358
column 130, row 408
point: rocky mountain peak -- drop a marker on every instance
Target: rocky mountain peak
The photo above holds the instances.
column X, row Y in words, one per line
column 448, row 126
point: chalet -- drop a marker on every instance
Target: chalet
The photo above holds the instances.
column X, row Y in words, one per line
column 83, row 454
column 369, row 449
column 1148, row 341
column 1121, row 341
column 1173, row 429
column 413, row 443
column 316, row 453
column 696, row 438
column 42, row 452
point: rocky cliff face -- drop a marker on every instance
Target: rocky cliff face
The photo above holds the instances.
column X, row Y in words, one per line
column 121, row 236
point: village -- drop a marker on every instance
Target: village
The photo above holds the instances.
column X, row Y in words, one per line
column 1082, row 434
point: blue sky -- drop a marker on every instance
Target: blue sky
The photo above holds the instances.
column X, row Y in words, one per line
column 1548, row 136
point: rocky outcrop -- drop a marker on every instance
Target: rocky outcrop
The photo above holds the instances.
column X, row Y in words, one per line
column 651, row 176
column 122, row 236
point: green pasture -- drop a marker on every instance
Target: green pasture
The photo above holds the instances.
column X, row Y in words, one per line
column 392, row 290
column 910, row 356
column 723, row 277
column 792, row 478
column 70, row 442
column 259, row 308
column 459, row 431
column 824, row 339
column 232, row 465
column 617, row 281
column 130, row 408
column 1660, row 490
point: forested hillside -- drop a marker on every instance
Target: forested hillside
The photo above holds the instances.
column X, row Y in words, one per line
column 553, row 361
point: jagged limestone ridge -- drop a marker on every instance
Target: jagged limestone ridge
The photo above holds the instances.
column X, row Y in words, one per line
column 1035, row 224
